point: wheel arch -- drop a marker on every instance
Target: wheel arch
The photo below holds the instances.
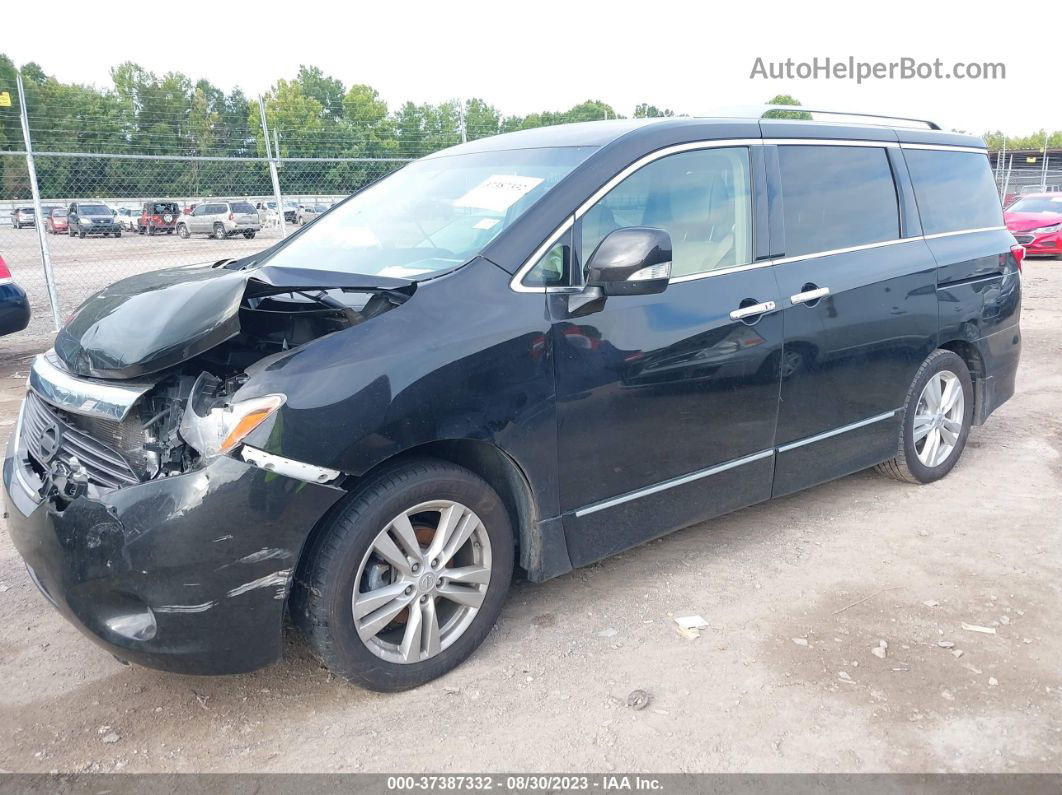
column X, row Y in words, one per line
column 975, row 363
column 541, row 548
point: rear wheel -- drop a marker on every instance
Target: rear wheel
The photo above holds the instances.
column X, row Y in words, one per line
column 118, row 233
column 81, row 234
column 408, row 578
column 936, row 422
column 249, row 234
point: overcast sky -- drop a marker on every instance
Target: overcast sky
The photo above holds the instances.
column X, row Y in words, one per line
column 524, row 56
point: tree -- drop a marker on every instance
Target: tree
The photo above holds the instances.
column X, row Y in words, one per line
column 785, row 99
column 645, row 111
column 328, row 91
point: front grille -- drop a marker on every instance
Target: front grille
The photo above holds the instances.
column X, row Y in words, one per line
column 106, row 467
column 1024, row 239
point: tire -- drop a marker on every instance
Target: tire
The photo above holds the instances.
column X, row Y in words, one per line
column 81, row 234
column 71, row 232
column 910, row 464
column 150, row 231
column 182, row 232
column 219, row 231
column 341, row 558
column 249, row 235
column 118, row 233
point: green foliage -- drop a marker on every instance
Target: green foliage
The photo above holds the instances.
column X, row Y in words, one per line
column 646, row 111
column 785, row 99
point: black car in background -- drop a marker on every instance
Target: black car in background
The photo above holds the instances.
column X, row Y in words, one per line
column 544, row 347
column 14, row 306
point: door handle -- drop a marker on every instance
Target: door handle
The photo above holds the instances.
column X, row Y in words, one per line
column 810, row 295
column 754, row 309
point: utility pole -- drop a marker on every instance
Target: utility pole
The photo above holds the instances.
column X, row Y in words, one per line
column 1043, row 171
column 273, row 170
column 38, row 223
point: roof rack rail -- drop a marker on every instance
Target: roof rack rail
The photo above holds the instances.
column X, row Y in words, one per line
column 760, row 111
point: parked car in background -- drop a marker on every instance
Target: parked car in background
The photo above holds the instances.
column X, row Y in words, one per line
column 220, row 220
column 496, row 352
column 14, row 306
column 127, row 219
column 158, row 216
column 308, row 212
column 1035, row 220
column 92, row 218
column 268, row 211
column 55, row 221
column 187, row 210
column 23, row 217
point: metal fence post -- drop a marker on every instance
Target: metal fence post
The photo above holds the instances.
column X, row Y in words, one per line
column 38, row 223
column 273, row 170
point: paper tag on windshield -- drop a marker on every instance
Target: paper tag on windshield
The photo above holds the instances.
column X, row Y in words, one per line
column 498, row 192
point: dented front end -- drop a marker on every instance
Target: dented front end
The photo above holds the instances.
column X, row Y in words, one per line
column 139, row 509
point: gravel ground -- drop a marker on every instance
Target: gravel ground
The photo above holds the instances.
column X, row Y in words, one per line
column 797, row 594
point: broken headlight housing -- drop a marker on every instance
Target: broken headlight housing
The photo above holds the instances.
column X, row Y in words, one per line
column 214, row 425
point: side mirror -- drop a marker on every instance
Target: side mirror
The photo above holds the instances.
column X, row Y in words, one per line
column 635, row 260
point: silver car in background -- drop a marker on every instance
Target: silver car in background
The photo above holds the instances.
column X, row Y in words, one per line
column 221, row 219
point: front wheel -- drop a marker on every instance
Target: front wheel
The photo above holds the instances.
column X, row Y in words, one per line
column 936, row 422
column 408, row 578
column 219, row 231
column 81, row 234
column 182, row 232
column 118, row 233
column 249, row 235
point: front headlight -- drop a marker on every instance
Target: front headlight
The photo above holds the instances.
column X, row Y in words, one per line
column 219, row 429
column 1046, row 230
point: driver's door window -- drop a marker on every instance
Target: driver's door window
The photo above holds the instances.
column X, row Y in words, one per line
column 702, row 198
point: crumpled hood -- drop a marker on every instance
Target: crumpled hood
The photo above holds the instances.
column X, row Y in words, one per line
column 1020, row 222
column 153, row 321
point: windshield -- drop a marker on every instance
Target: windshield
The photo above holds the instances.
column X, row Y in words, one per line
column 433, row 215
column 1038, row 205
column 94, row 209
column 58, row 213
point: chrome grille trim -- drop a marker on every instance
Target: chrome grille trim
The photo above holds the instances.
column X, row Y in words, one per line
column 105, row 467
column 81, row 395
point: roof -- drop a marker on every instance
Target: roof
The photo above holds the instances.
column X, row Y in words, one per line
column 602, row 133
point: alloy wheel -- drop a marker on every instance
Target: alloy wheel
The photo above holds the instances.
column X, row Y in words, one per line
column 938, row 418
column 422, row 581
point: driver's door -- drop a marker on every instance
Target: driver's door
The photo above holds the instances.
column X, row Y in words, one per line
column 667, row 403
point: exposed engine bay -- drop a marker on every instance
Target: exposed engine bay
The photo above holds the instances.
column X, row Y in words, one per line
column 185, row 414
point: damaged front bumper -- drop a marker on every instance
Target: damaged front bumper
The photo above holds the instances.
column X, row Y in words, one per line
column 188, row 573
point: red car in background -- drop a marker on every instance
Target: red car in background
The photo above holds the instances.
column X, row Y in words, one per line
column 158, row 216
column 55, row 221
column 1035, row 220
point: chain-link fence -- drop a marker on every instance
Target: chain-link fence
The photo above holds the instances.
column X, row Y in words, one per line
column 71, row 223
column 106, row 217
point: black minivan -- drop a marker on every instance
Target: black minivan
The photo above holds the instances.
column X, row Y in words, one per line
column 537, row 349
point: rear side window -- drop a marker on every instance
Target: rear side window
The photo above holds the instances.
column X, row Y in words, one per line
column 242, row 207
column 836, row 197
column 955, row 191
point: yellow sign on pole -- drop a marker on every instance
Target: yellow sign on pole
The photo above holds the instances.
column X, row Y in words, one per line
column 5, row 99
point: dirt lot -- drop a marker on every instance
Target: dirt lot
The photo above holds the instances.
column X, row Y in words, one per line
column 797, row 593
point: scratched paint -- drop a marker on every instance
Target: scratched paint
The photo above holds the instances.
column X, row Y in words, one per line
column 278, row 578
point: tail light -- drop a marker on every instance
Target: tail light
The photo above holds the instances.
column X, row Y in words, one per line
column 5, row 272
column 1018, row 252
column 232, row 216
